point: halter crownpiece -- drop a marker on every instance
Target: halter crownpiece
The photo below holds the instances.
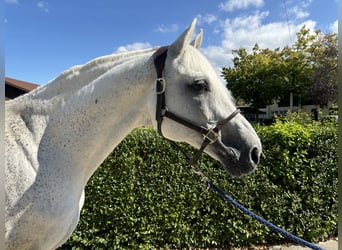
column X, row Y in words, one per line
column 209, row 135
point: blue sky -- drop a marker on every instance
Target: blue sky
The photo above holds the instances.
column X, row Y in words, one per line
column 44, row 38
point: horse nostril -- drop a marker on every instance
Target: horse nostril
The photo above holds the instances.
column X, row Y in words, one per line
column 255, row 155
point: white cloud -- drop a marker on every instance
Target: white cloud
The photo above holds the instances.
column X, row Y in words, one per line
column 12, row 1
column 44, row 6
column 334, row 27
column 246, row 31
column 208, row 19
column 232, row 5
column 167, row 29
column 133, row 47
column 299, row 10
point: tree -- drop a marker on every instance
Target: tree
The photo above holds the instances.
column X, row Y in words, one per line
column 324, row 79
column 311, row 68
column 265, row 76
column 254, row 76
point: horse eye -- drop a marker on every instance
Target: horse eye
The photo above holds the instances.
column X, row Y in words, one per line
column 201, row 85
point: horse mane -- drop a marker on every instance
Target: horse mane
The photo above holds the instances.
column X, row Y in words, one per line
column 81, row 75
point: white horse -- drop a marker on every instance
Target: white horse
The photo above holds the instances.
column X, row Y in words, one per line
column 57, row 135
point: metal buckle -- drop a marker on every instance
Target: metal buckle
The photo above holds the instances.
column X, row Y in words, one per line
column 160, row 83
column 164, row 110
column 211, row 136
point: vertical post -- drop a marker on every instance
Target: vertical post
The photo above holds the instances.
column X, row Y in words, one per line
column 268, row 112
column 291, row 102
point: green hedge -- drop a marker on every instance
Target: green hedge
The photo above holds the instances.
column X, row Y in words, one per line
column 145, row 196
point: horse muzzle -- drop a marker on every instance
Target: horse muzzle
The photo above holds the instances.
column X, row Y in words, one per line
column 237, row 163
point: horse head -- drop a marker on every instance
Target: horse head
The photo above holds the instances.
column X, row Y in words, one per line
column 194, row 93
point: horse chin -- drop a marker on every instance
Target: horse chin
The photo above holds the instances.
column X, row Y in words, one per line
column 236, row 170
column 231, row 161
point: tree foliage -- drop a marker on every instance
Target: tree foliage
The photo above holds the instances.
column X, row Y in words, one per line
column 307, row 69
column 324, row 80
column 252, row 78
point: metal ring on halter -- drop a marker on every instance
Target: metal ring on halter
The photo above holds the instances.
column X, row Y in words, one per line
column 161, row 83
column 211, row 136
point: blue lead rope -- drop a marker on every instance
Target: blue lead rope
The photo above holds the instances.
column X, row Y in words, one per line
column 262, row 220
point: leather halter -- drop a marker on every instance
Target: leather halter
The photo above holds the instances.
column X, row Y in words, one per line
column 210, row 135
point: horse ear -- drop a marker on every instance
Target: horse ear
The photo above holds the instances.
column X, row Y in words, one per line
column 198, row 40
column 183, row 40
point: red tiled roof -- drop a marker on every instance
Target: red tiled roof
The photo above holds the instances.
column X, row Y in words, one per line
column 25, row 86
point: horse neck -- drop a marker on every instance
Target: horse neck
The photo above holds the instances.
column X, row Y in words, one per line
column 84, row 126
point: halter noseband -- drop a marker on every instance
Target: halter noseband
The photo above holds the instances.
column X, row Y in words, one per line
column 209, row 135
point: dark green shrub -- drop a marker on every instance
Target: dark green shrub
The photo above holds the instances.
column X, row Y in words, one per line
column 145, row 196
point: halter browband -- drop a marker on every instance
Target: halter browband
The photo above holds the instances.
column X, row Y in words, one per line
column 209, row 135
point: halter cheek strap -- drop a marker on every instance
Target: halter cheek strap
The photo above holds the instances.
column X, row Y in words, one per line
column 209, row 135
column 159, row 63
